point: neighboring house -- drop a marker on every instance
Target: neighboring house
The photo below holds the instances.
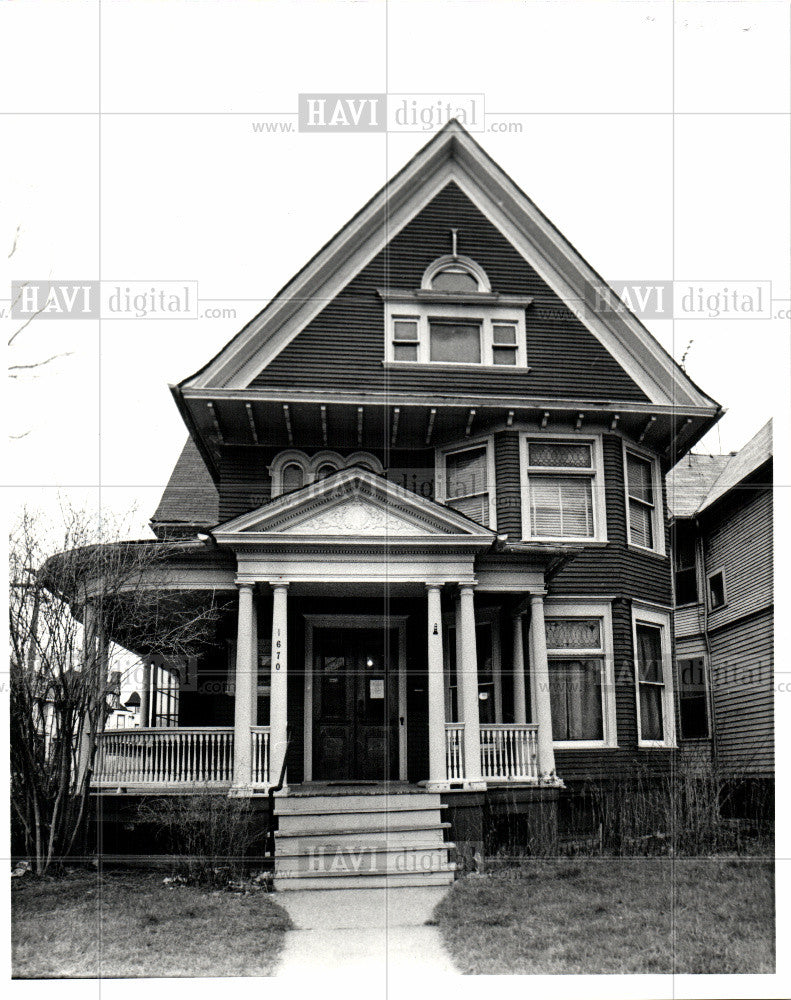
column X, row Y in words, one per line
column 428, row 478
column 721, row 507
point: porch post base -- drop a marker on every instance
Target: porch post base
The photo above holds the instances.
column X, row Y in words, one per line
column 435, row 786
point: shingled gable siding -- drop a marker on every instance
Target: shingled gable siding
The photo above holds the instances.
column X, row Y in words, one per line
column 343, row 347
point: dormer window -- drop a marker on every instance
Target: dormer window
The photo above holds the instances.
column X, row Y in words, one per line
column 455, row 318
column 293, row 469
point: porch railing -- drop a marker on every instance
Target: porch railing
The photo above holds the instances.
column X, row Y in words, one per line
column 260, row 755
column 509, row 751
column 454, row 750
column 165, row 756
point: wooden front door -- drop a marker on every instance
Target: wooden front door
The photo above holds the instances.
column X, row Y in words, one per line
column 355, row 704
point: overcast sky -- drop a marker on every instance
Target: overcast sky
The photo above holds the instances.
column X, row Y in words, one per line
column 172, row 182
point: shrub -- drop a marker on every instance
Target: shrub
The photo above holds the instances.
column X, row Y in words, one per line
column 212, row 839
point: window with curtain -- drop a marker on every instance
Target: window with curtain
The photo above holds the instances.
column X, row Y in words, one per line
column 642, row 504
column 560, row 480
column 650, row 681
column 459, row 342
column 466, row 483
column 575, row 650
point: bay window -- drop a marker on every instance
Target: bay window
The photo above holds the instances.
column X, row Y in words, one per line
column 563, row 490
column 581, row 683
column 653, row 678
column 643, row 502
column 465, row 481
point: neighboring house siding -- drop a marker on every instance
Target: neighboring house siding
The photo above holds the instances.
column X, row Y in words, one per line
column 343, row 347
column 736, row 638
column 743, row 695
column 741, row 544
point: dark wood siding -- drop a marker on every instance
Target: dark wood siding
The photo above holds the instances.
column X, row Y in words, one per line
column 508, row 485
column 343, row 347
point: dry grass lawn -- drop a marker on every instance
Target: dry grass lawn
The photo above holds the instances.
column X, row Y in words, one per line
column 604, row 915
column 118, row 926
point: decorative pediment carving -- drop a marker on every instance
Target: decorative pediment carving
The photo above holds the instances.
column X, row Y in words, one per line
column 354, row 517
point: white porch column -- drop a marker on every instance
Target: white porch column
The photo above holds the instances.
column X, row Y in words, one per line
column 437, row 772
column 540, row 669
column 278, row 702
column 145, row 700
column 518, row 666
column 246, row 655
column 469, row 692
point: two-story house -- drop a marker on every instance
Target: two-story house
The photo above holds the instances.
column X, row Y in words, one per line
column 428, row 476
column 721, row 509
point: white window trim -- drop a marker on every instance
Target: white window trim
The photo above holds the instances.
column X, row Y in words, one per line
column 596, row 476
column 578, row 608
column 483, row 616
column 311, row 464
column 461, row 263
column 709, row 575
column 486, row 314
column 658, row 517
column 440, row 455
column 649, row 616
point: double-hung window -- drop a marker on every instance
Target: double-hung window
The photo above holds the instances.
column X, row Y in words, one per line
column 581, row 689
column 653, row 678
column 466, row 483
column 643, row 499
column 563, row 490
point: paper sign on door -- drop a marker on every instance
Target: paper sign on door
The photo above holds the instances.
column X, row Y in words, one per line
column 377, row 687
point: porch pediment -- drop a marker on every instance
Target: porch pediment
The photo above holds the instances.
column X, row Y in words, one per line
column 354, row 505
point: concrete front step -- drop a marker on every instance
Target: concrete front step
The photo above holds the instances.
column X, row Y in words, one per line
column 299, row 842
column 289, row 881
column 328, row 819
column 352, row 860
column 290, row 805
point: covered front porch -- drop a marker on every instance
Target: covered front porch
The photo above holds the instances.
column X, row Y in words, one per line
column 375, row 637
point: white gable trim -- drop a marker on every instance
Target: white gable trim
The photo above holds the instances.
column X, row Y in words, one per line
column 415, row 519
column 462, row 161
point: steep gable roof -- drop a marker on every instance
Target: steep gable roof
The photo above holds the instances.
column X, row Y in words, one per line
column 451, row 156
column 698, row 481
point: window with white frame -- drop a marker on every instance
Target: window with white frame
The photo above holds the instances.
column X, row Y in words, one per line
column 581, row 682
column 455, row 319
column 643, row 502
column 717, row 590
column 466, row 482
column 564, row 489
column 458, row 335
column 653, row 678
column 293, row 469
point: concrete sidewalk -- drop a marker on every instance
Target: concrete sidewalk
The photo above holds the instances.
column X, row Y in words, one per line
column 365, row 932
